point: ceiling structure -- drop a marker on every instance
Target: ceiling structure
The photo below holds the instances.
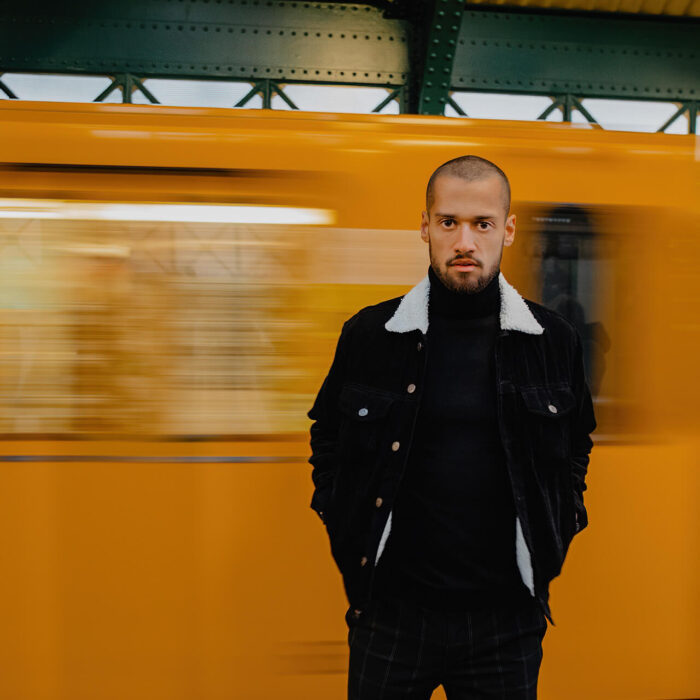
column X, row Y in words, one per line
column 672, row 8
column 422, row 51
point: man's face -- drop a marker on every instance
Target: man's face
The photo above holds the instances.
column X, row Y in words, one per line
column 466, row 231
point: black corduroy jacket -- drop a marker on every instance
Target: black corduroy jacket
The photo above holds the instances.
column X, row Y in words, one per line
column 364, row 417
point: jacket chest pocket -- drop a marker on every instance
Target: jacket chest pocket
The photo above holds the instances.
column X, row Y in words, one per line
column 548, row 421
column 364, row 413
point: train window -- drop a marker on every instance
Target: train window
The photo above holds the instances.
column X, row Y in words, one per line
column 567, row 281
column 154, row 319
column 571, row 259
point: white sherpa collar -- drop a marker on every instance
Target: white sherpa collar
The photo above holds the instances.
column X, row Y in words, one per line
column 412, row 312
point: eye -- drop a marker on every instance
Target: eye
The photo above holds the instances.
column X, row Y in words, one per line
column 484, row 225
column 448, row 222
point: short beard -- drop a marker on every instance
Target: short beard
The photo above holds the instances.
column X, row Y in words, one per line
column 481, row 284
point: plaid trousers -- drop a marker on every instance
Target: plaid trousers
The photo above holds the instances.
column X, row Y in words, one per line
column 400, row 650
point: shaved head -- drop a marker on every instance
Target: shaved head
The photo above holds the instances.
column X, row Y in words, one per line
column 468, row 168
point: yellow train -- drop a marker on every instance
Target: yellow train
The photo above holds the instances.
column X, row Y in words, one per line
column 173, row 281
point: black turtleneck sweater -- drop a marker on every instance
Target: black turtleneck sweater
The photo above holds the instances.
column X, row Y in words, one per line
column 452, row 542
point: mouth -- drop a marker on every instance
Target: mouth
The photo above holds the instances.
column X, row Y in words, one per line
column 464, row 265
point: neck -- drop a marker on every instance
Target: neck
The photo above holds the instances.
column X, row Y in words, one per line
column 445, row 302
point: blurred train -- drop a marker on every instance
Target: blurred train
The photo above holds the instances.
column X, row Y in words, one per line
column 172, row 285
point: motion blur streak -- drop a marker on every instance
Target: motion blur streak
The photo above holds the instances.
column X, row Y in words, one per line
column 181, row 213
column 156, row 369
column 92, row 344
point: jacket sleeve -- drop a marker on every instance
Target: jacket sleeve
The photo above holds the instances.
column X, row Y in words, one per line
column 324, row 429
column 584, row 425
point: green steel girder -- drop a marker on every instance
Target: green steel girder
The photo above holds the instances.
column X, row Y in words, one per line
column 440, row 46
column 692, row 108
column 7, row 90
column 456, row 107
column 403, row 45
column 567, row 104
column 397, row 94
column 266, row 89
column 245, row 39
column 127, row 84
column 591, row 55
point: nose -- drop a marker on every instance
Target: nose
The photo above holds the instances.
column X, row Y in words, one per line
column 466, row 239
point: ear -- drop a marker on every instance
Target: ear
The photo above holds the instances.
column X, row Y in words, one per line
column 510, row 230
column 424, row 232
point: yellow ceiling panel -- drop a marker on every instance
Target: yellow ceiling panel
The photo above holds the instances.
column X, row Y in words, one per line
column 679, row 8
column 627, row 5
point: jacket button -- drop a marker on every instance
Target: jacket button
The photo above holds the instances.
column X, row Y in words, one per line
column 419, row 347
column 379, row 502
column 356, row 613
column 553, row 409
column 362, row 412
column 411, row 388
column 395, row 446
column 363, row 561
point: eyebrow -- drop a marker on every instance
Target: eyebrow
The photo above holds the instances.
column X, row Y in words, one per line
column 480, row 216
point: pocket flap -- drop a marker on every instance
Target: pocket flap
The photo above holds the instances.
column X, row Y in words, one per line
column 549, row 401
column 363, row 404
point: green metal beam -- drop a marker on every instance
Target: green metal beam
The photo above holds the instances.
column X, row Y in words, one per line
column 692, row 117
column 389, row 98
column 149, row 95
column 456, row 107
column 441, row 44
column 691, row 108
column 266, row 94
column 576, row 104
column 556, row 104
column 255, row 90
column 266, row 89
column 401, row 45
column 567, row 104
column 351, row 43
column 284, row 96
column 590, row 55
column 127, row 84
column 7, row 90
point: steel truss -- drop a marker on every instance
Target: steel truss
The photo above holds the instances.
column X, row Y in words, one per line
column 422, row 52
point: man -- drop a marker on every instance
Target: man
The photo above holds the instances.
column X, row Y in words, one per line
column 450, row 444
